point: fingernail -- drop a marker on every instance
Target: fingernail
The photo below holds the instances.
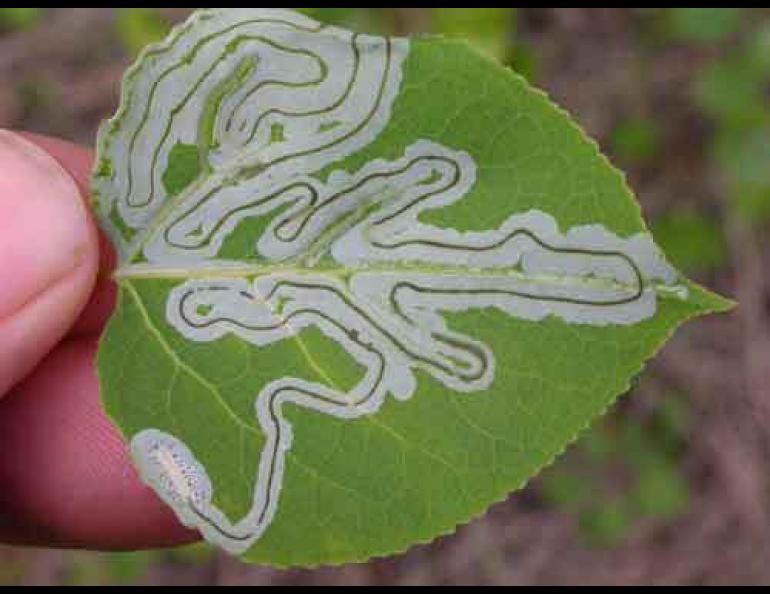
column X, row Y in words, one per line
column 45, row 227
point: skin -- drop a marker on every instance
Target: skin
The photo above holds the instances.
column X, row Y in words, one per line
column 66, row 479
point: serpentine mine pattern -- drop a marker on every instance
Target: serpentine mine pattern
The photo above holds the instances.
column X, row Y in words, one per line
column 270, row 98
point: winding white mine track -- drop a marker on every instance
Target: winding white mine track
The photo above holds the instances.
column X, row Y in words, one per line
column 270, row 99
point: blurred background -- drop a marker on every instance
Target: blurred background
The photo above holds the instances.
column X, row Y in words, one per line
column 673, row 487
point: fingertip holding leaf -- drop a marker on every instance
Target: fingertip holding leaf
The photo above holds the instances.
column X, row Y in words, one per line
column 369, row 286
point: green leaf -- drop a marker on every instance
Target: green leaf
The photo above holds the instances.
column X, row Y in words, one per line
column 743, row 158
column 732, row 90
column 333, row 16
column 695, row 242
column 138, row 27
column 20, row 19
column 661, row 491
column 759, row 49
column 400, row 283
column 491, row 30
column 605, row 527
column 636, row 140
column 704, row 25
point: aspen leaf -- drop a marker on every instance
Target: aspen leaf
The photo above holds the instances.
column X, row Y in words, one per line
column 369, row 286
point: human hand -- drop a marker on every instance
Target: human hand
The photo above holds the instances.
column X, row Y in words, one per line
column 65, row 474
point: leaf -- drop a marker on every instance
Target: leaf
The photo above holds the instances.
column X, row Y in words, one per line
column 704, row 25
column 489, row 29
column 138, row 27
column 732, row 90
column 695, row 242
column 743, row 158
column 636, row 140
column 20, row 19
column 337, row 16
column 395, row 284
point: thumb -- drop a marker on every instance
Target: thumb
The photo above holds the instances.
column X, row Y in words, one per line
column 48, row 256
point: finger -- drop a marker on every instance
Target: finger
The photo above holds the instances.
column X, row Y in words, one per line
column 49, row 256
column 65, row 472
column 76, row 160
column 79, row 162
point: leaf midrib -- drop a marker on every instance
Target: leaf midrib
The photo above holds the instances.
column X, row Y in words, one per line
column 239, row 270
